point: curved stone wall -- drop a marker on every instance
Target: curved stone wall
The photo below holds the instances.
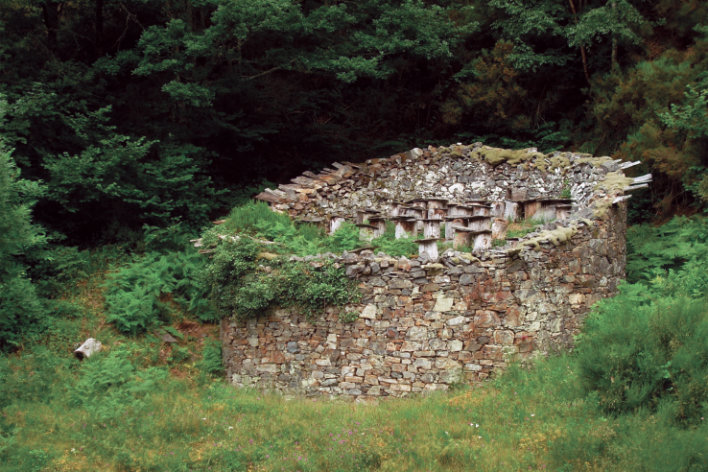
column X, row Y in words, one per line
column 425, row 324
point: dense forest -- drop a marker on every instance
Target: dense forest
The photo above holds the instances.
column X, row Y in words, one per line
column 126, row 126
column 154, row 112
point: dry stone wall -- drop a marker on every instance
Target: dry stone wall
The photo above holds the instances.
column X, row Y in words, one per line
column 426, row 323
column 425, row 326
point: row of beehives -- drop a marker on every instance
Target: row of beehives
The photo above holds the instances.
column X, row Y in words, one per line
column 472, row 224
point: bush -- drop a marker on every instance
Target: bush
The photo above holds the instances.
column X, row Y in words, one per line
column 651, row 251
column 109, row 383
column 395, row 247
column 57, row 268
column 636, row 353
column 211, row 362
column 21, row 311
column 241, row 284
column 18, row 458
column 138, row 295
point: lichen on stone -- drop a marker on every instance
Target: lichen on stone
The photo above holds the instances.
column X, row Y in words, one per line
column 459, row 151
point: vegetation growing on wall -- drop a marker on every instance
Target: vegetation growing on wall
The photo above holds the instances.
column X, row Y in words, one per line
column 251, row 271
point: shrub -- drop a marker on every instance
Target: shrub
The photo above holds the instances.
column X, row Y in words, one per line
column 637, row 353
column 651, row 251
column 21, row 311
column 59, row 267
column 137, row 294
column 19, row 458
column 240, row 285
column 211, row 362
column 109, row 383
column 392, row 246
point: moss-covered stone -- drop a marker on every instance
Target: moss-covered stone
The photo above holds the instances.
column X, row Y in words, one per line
column 614, row 182
column 496, row 156
column 560, row 161
column 556, row 237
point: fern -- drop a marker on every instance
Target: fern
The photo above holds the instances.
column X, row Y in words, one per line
column 652, row 251
column 136, row 293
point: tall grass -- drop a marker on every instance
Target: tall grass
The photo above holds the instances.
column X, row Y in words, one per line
column 632, row 397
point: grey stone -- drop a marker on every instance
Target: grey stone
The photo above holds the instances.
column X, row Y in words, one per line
column 457, row 321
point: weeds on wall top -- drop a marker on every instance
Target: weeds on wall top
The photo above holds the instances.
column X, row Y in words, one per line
column 250, row 270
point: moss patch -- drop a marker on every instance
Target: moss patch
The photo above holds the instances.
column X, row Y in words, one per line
column 556, row 237
column 496, row 156
column 596, row 161
column 614, row 182
column 560, row 161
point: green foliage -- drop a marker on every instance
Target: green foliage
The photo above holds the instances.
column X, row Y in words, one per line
column 348, row 316
column 241, row 285
column 34, row 379
column 257, row 220
column 566, row 191
column 211, row 361
column 17, row 458
column 394, row 247
column 652, row 251
column 498, row 242
column 252, row 217
column 109, row 384
column 141, row 294
column 346, row 238
column 637, row 354
column 21, row 310
column 618, row 20
column 519, row 229
column 119, row 410
column 58, row 267
column 689, row 120
column 646, row 347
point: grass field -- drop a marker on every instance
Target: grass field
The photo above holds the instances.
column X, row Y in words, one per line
column 143, row 404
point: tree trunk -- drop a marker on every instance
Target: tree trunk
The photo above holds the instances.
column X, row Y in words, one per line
column 583, row 55
column 50, row 12
column 613, row 58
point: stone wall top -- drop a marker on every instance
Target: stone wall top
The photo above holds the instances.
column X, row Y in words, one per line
column 458, row 173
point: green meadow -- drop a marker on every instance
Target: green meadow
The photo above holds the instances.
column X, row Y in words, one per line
column 632, row 396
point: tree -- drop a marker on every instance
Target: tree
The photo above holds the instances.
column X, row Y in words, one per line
column 20, row 309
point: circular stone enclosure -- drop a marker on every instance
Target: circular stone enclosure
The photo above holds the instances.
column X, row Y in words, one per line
column 514, row 248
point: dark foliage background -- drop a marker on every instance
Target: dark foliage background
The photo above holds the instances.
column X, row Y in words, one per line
column 152, row 112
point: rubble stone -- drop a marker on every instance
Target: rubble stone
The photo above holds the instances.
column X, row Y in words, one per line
column 424, row 327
